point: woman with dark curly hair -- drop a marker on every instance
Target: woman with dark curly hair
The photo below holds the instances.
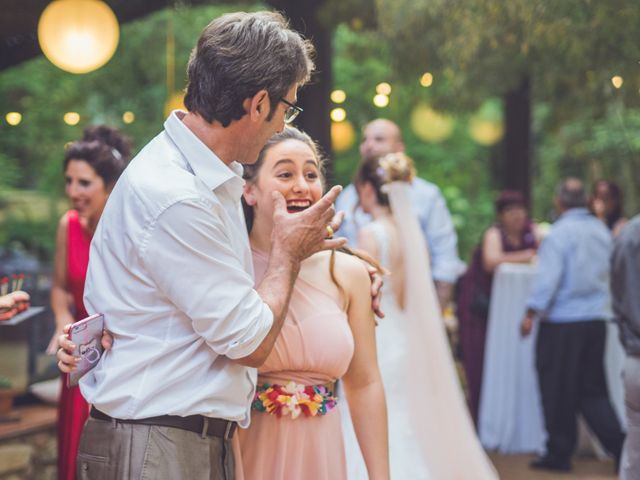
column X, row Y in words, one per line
column 606, row 203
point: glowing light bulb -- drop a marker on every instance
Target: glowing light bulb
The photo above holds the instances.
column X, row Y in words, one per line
column 128, row 117
column 617, row 81
column 338, row 96
column 381, row 100
column 383, row 89
column 71, row 118
column 426, row 79
column 338, row 114
column 13, row 118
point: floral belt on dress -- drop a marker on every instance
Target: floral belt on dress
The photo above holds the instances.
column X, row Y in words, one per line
column 293, row 399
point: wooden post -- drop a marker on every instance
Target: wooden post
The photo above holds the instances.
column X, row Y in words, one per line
column 517, row 140
column 314, row 97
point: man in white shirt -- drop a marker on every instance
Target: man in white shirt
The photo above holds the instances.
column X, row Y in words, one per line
column 170, row 265
column 380, row 137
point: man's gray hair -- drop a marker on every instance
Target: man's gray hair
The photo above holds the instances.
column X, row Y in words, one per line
column 571, row 193
column 239, row 54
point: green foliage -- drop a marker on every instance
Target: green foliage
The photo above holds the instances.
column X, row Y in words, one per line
column 5, row 383
column 10, row 172
column 485, row 47
column 569, row 49
column 29, row 219
column 591, row 147
column 32, row 152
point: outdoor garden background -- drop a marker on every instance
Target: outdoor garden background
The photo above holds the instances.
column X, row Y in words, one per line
column 576, row 58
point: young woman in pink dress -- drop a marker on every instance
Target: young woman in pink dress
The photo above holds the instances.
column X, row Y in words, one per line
column 91, row 168
column 329, row 333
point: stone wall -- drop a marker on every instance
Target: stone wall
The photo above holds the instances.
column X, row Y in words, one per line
column 31, row 456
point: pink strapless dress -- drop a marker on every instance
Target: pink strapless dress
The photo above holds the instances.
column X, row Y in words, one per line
column 315, row 347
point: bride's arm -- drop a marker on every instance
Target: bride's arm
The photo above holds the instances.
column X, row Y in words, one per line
column 367, row 242
column 362, row 382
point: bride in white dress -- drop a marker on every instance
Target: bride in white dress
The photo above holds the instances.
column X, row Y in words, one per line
column 431, row 435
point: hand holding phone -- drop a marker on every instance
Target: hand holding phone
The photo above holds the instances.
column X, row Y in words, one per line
column 86, row 335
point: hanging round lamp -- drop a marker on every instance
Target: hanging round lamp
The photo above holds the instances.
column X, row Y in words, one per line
column 486, row 126
column 429, row 125
column 78, row 36
column 343, row 135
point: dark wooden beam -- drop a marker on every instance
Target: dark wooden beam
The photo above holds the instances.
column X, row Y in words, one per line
column 314, row 98
column 517, row 140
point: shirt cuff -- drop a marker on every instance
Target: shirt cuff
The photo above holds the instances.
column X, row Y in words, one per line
column 448, row 272
column 254, row 337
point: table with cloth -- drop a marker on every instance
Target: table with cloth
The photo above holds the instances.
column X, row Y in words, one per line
column 510, row 417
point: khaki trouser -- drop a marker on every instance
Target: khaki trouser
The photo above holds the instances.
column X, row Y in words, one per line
column 117, row 451
column 630, row 468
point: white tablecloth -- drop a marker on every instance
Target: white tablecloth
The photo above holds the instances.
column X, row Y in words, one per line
column 510, row 417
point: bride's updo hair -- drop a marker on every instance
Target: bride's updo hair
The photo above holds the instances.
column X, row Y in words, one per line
column 393, row 167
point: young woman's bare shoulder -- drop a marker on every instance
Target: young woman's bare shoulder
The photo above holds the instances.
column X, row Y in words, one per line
column 64, row 220
column 351, row 269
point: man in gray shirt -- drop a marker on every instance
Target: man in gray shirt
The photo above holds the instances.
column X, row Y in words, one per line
column 625, row 291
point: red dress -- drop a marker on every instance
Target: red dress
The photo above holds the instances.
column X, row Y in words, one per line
column 72, row 408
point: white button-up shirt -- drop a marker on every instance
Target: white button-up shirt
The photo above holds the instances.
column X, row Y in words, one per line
column 170, row 267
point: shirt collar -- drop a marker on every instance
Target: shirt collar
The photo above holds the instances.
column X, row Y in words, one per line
column 575, row 212
column 206, row 165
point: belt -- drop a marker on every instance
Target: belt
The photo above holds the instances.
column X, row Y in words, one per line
column 205, row 426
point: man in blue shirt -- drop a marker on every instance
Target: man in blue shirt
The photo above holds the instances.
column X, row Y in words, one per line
column 571, row 298
column 380, row 137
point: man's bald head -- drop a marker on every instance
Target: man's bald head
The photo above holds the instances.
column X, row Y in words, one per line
column 380, row 137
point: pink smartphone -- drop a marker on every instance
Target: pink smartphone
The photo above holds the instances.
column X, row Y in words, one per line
column 86, row 334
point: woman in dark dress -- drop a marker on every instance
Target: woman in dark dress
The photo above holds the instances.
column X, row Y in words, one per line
column 606, row 203
column 511, row 239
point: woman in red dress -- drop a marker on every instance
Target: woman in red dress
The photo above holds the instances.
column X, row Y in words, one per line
column 91, row 169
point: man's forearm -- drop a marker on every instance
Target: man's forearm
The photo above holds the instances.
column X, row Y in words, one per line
column 443, row 291
column 275, row 290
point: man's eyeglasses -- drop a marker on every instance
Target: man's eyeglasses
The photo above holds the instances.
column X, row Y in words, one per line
column 291, row 112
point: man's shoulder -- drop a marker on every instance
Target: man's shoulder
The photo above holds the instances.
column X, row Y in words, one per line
column 423, row 188
column 579, row 228
column 347, row 198
column 632, row 226
column 630, row 233
column 158, row 177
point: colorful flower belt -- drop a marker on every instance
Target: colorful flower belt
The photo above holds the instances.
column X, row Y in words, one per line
column 293, row 399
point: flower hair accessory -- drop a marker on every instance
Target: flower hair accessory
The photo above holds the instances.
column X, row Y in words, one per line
column 396, row 167
column 294, row 399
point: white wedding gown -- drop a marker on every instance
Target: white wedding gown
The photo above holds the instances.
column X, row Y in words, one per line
column 431, row 435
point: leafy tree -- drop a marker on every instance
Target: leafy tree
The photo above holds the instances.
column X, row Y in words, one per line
column 563, row 52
